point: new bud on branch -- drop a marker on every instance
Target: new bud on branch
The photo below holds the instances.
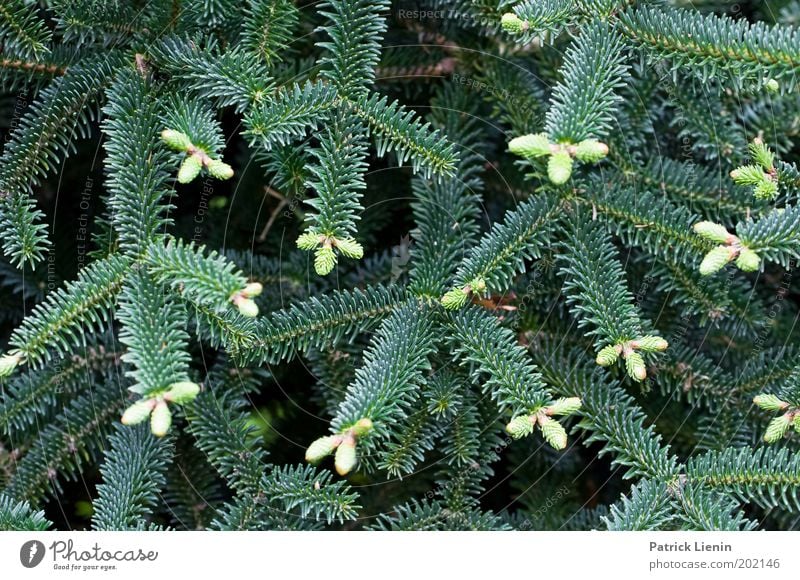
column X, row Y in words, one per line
column 196, row 158
column 243, row 299
column 8, row 363
column 344, row 444
column 156, row 407
column 561, row 156
column 512, row 23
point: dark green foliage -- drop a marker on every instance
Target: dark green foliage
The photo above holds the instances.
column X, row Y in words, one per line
column 570, row 219
column 31, row 398
column 153, row 332
column 445, row 211
column 43, row 138
column 338, row 179
column 499, row 365
column 18, row 516
column 320, row 322
column 64, row 446
column 133, row 473
column 714, row 45
column 502, row 253
column 65, row 318
column 768, row 477
column 205, row 280
column 595, row 283
column 646, row 507
column 776, row 236
column 22, row 32
column 352, row 51
column 268, row 27
column 133, row 111
column 584, row 101
column 287, row 117
column 387, row 384
column 231, row 78
column 222, row 433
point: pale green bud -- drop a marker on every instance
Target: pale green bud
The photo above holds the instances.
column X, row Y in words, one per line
column 564, row 406
column 559, row 167
column 716, row 259
column 252, row 290
column 711, row 231
column 346, row 459
column 770, row 402
column 591, row 151
column 8, row 363
column 219, row 169
column 634, row 365
column 138, row 412
column 308, row 241
column 521, row 426
column 350, row 248
column 161, row 419
column 530, row 146
column 766, row 189
column 512, row 23
column 772, row 86
column 176, row 140
column 761, row 154
column 477, row 285
column 748, row 175
column 218, row 202
column 324, row 260
column 607, row 356
column 454, row 299
column 362, row 427
column 190, row 168
column 322, row 447
column 777, row 428
column 748, row 260
column 553, row 432
column 182, row 392
column 247, row 307
column 651, row 343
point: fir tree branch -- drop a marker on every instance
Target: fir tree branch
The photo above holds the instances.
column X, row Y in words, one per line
column 714, row 45
column 138, row 177
column 385, row 386
column 22, row 32
column 70, row 314
column 133, row 475
column 595, row 284
column 584, row 102
column 18, row 516
column 768, row 476
column 490, row 349
column 355, row 32
column 268, row 27
column 153, row 330
column 646, row 507
column 491, row 265
column 321, row 321
column 74, row 439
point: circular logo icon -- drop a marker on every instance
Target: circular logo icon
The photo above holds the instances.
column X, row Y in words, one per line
column 31, row 553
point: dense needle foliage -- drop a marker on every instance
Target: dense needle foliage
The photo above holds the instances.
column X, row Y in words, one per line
column 367, row 265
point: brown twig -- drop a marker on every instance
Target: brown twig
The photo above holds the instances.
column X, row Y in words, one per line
column 283, row 201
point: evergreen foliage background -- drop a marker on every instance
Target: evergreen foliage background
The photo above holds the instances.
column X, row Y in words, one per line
column 434, row 265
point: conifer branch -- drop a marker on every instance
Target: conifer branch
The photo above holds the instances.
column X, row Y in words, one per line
column 18, row 516
column 133, row 476
column 70, row 314
column 584, row 102
column 714, row 45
